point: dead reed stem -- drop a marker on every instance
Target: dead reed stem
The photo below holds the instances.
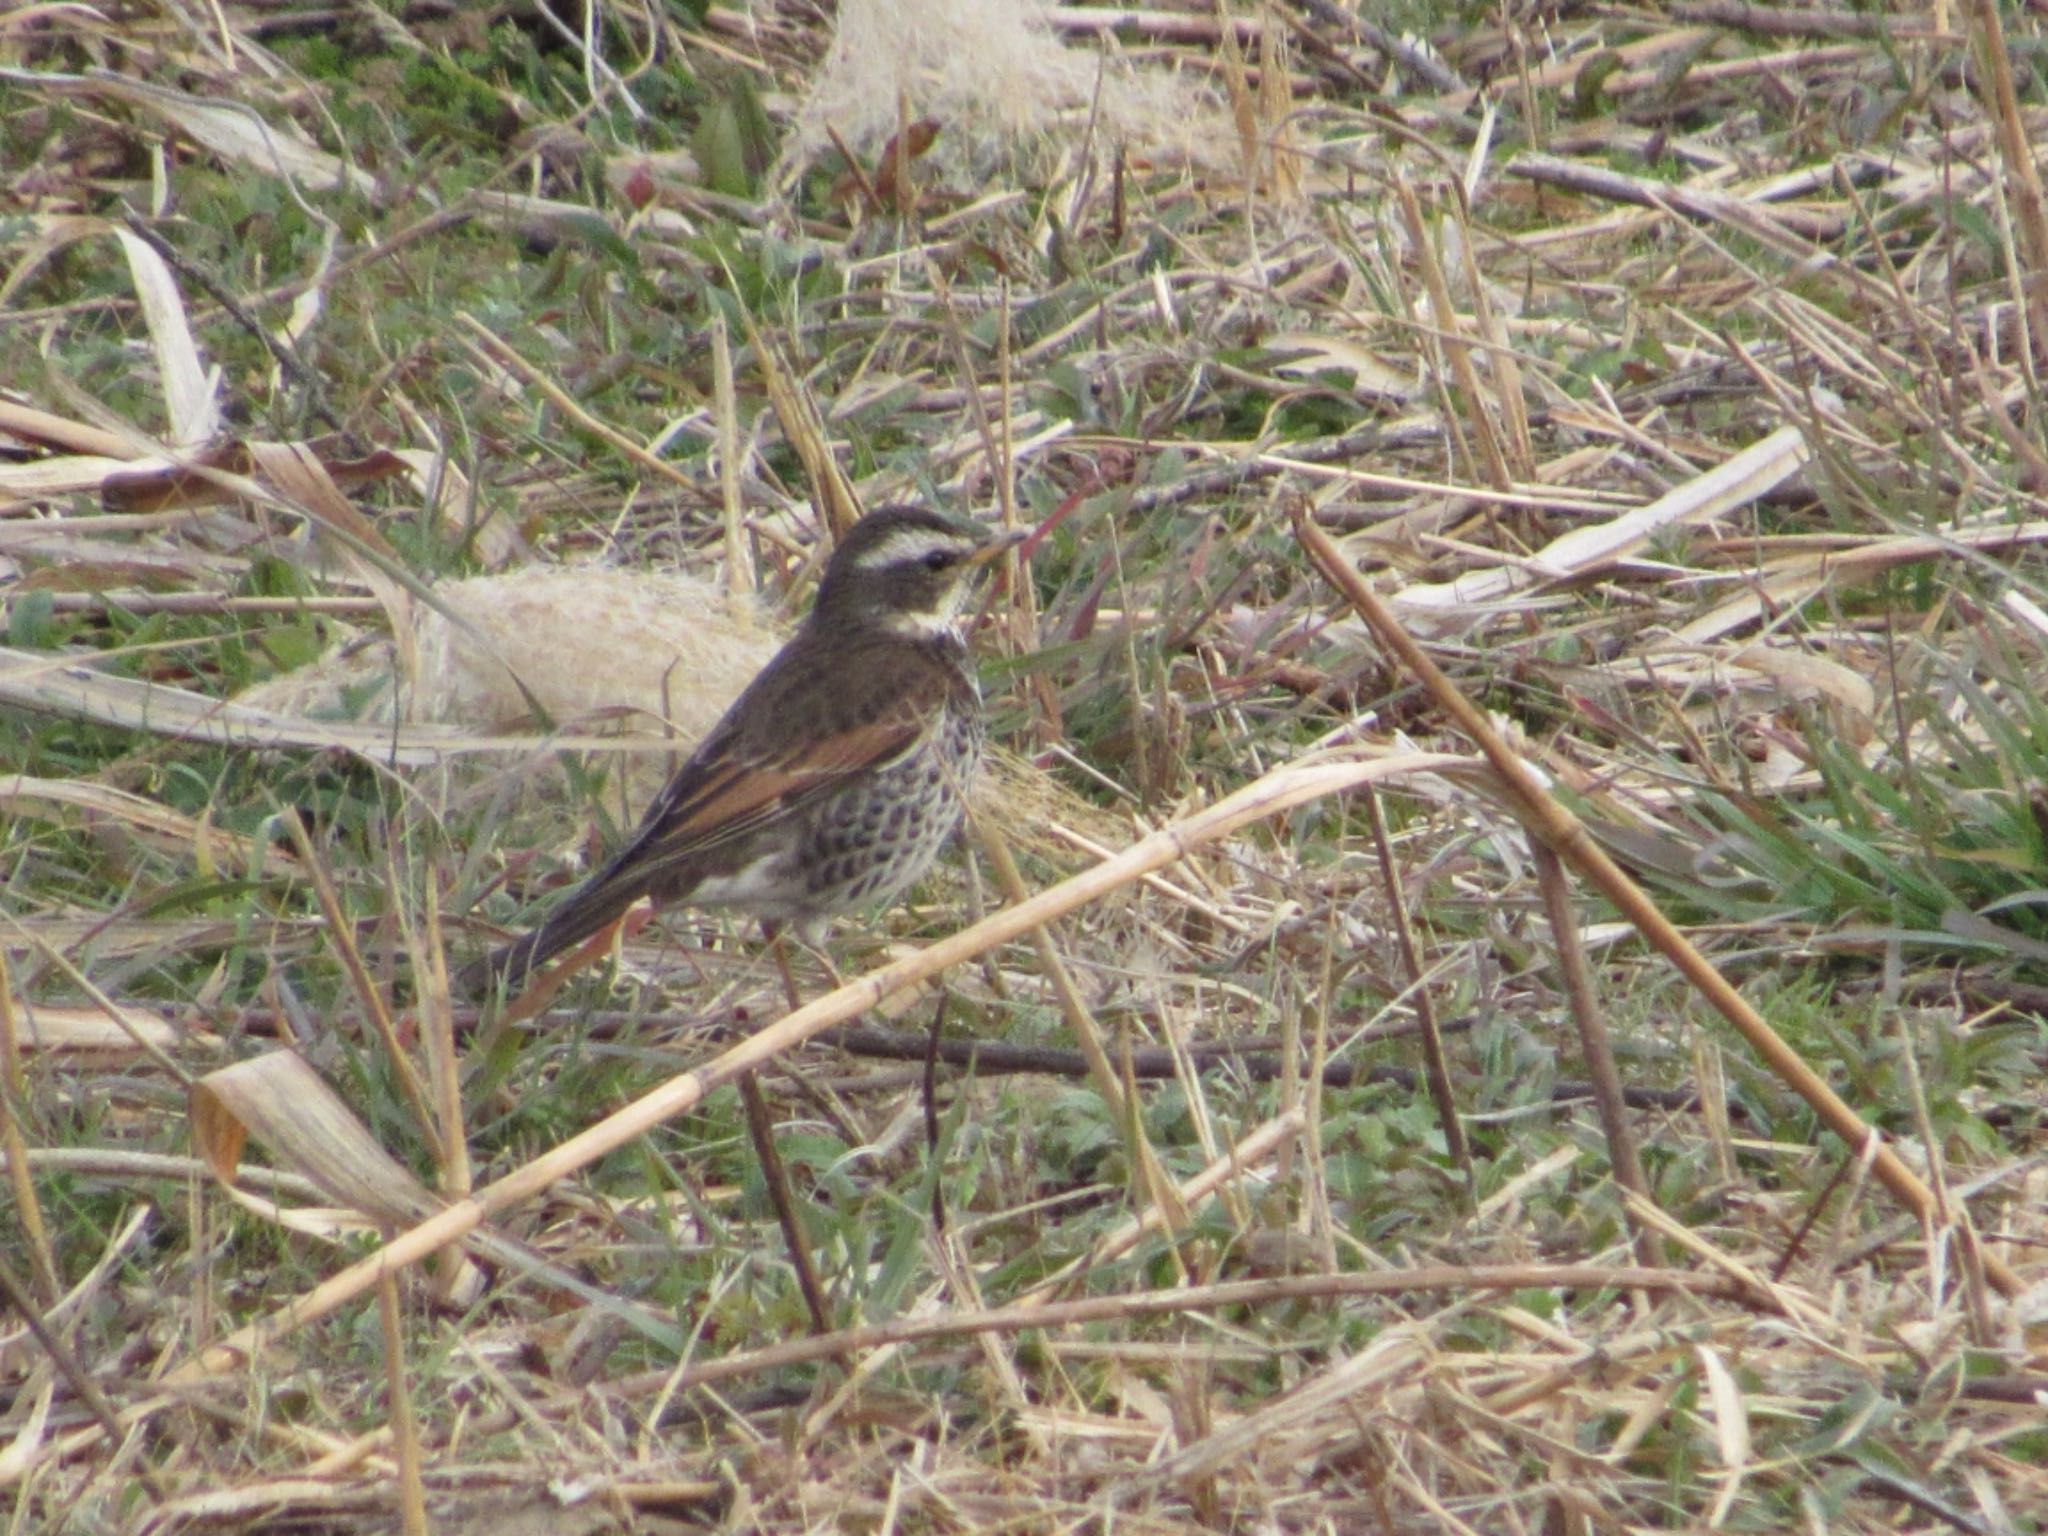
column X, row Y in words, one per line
column 1275, row 792
column 1563, row 832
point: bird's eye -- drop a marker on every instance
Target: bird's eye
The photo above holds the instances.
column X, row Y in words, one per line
column 939, row 559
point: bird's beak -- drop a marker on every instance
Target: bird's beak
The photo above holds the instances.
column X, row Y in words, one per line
column 997, row 543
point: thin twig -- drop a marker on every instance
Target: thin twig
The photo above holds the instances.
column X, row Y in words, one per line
column 1593, row 1041
column 1460, row 1280
column 17, row 1296
column 1436, row 1065
column 761, row 1129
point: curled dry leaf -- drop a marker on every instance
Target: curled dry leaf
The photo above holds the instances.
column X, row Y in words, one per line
column 307, row 1130
column 883, row 186
column 191, row 389
column 1731, row 1428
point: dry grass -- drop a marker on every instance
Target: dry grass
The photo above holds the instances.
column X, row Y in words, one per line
column 1673, row 382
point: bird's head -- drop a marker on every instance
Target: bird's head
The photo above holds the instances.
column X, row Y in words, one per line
column 909, row 570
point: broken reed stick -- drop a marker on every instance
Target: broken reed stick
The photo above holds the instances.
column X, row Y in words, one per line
column 1548, row 820
column 1269, row 795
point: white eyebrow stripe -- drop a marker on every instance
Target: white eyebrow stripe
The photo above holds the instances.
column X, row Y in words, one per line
column 922, row 626
column 909, row 545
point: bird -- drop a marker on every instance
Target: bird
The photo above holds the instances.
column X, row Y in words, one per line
column 839, row 773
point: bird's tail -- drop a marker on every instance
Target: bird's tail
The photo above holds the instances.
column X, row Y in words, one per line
column 588, row 910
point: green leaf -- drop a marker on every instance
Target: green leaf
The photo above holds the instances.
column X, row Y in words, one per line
column 29, row 620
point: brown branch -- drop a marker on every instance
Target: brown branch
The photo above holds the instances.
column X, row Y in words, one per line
column 1594, row 1043
column 1547, row 819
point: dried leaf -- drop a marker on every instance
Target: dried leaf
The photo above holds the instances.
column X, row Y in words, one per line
column 1731, row 1418
column 190, row 388
column 191, row 403
column 196, row 479
column 306, row 1128
column 238, row 135
column 1307, row 353
column 1735, row 483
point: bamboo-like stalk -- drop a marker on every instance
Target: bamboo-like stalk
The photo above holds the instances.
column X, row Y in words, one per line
column 1557, row 827
column 405, row 1429
column 1269, row 795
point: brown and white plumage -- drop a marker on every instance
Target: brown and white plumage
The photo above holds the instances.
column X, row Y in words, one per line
column 837, row 776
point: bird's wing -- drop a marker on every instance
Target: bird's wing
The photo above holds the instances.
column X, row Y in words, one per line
column 772, row 756
column 781, row 745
